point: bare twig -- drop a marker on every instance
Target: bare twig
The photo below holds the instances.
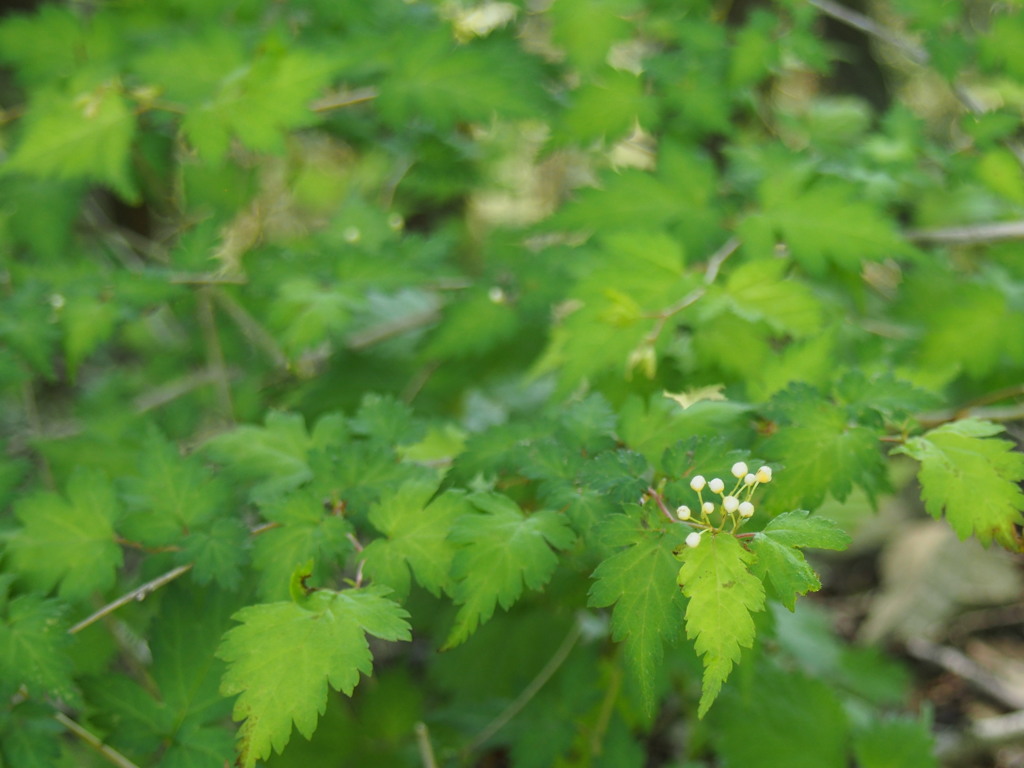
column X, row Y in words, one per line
column 914, row 52
column 172, row 390
column 970, row 234
column 344, row 99
column 424, row 746
column 980, row 737
column 139, row 594
column 718, row 259
column 870, row 27
column 109, row 753
column 251, row 328
column 529, row 691
column 961, row 665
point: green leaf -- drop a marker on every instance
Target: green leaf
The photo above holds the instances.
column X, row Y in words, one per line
column 34, row 647
column 417, row 537
column 306, row 531
column 973, row 478
column 824, row 224
column 587, row 29
column 69, row 542
column 758, row 290
column 433, row 79
column 172, row 494
column 780, row 718
column 306, row 314
column 184, row 668
column 31, row 736
column 276, row 454
column 270, row 96
column 884, row 393
column 88, row 322
column 85, row 135
column 895, row 743
column 282, row 658
column 218, row 553
column 779, row 559
column 649, row 610
column 387, row 419
column 821, row 450
column 500, row 550
column 723, row 594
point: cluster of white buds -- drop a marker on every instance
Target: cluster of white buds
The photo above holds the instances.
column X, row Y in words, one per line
column 736, row 507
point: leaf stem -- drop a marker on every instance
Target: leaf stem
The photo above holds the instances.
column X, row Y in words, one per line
column 111, row 754
column 139, row 593
column 531, row 690
column 424, row 745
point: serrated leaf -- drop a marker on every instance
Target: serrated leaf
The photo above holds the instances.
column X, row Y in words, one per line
column 821, row 451
column 172, row 494
column 85, row 135
column 417, row 537
column 500, row 551
column 759, row 290
column 218, row 553
column 69, row 543
column 34, row 647
column 88, row 322
column 275, row 454
column 640, row 582
column 973, row 478
column 435, row 80
column 184, row 668
column 723, row 594
column 779, row 559
column 31, row 736
column 270, row 96
column 884, row 393
column 386, row 419
column 282, row 658
column 306, row 531
column 809, row 222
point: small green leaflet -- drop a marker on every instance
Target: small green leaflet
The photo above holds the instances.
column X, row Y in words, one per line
column 417, row 537
column 973, row 478
column 648, row 612
column 33, row 647
column 282, row 657
column 821, row 450
column 500, row 550
column 85, row 135
column 723, row 595
column 69, row 543
column 779, row 559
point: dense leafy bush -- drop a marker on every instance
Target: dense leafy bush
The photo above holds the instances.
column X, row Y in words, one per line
column 394, row 337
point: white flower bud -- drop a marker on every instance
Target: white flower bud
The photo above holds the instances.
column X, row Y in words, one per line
column 683, row 512
column 746, row 509
column 764, row 475
column 698, row 483
column 707, row 507
column 716, row 485
column 730, row 503
column 693, row 539
column 750, row 479
column 739, row 469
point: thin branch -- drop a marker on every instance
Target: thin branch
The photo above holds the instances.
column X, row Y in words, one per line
column 961, row 665
column 969, row 234
column 914, row 52
column 980, row 738
column 529, row 691
column 181, row 386
column 344, row 99
column 604, row 715
column 139, row 594
column 718, row 258
column 424, row 746
column 112, row 755
column 870, row 27
column 251, row 328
